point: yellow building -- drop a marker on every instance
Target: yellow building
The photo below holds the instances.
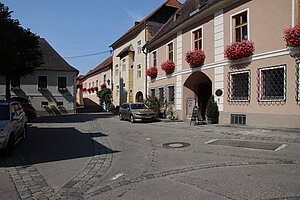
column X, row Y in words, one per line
column 129, row 59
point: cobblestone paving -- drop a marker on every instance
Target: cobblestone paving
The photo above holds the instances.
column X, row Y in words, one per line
column 184, row 170
column 31, row 185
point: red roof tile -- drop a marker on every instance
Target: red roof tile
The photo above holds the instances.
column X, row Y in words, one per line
column 103, row 65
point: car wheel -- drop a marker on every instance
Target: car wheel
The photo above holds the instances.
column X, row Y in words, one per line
column 24, row 134
column 132, row 119
column 120, row 116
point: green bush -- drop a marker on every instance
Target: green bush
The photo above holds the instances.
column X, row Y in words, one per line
column 155, row 104
column 212, row 110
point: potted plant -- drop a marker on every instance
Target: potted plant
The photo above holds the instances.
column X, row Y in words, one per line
column 195, row 58
column 292, row 36
column 212, row 111
column 152, row 72
column 171, row 115
column 155, row 104
column 168, row 66
column 239, row 50
column 103, row 86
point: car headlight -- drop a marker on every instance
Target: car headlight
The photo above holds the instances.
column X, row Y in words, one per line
column 1, row 131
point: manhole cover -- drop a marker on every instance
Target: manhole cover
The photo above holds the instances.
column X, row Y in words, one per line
column 248, row 144
column 176, row 145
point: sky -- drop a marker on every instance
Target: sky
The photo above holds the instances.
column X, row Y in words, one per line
column 75, row 28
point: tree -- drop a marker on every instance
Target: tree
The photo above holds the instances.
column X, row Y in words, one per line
column 19, row 49
column 104, row 96
column 212, row 110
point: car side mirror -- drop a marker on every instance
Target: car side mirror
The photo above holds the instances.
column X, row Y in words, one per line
column 128, row 109
column 16, row 117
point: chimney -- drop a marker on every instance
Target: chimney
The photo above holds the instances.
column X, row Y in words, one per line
column 136, row 23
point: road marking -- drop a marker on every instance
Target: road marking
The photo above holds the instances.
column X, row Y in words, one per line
column 117, row 176
column 210, row 141
column 281, row 147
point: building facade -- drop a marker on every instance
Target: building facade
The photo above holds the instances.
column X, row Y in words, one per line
column 51, row 89
column 261, row 90
column 94, row 80
column 129, row 59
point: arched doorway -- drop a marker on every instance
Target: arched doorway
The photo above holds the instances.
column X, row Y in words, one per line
column 139, row 97
column 199, row 86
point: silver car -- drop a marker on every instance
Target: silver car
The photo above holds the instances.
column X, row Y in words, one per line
column 13, row 126
column 136, row 112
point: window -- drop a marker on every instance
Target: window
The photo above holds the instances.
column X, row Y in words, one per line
column 89, row 85
column 154, row 58
column 239, row 86
column 15, row 82
column 272, row 83
column 238, row 119
column 170, row 51
column 171, row 94
column 104, row 79
column 197, row 39
column 42, row 82
column 161, row 93
column 152, row 92
column 97, row 84
column 44, row 104
column 139, row 47
column 117, row 70
column 139, row 71
column 240, row 27
column 118, row 90
column 62, row 82
column 93, row 84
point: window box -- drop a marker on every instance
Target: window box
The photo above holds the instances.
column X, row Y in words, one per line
column 83, row 89
column 239, row 50
column 292, row 36
column 96, row 89
column 152, row 72
column 195, row 58
column 103, row 86
column 42, row 89
column 168, row 66
column 62, row 89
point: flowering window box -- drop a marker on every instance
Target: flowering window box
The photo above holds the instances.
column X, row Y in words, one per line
column 62, row 89
column 239, row 50
column 103, row 86
column 89, row 90
column 195, row 58
column 96, row 89
column 292, row 36
column 152, row 72
column 83, row 89
column 168, row 66
column 42, row 89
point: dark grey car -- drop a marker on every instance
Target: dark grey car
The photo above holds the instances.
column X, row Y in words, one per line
column 136, row 112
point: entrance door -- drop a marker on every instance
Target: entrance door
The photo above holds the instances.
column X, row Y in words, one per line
column 204, row 93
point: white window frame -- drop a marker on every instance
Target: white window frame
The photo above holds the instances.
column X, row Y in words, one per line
column 139, row 47
column 117, row 70
column 38, row 80
column 168, row 94
column 153, row 58
column 231, row 86
column 248, row 23
column 260, row 83
column 139, row 71
column 192, row 37
column 167, row 50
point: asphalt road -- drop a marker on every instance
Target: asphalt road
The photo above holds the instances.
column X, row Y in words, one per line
column 97, row 156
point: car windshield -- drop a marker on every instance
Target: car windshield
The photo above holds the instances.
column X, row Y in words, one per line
column 4, row 112
column 138, row 106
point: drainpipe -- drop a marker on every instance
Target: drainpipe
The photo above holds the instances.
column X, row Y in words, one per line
column 146, row 53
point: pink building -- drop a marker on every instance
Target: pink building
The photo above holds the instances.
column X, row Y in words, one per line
column 260, row 90
column 94, row 80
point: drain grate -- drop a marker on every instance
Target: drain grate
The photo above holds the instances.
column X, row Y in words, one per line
column 176, row 145
column 248, row 144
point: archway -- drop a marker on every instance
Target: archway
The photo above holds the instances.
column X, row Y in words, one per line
column 200, row 90
column 139, row 97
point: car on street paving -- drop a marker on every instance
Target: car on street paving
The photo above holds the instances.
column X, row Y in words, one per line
column 29, row 110
column 136, row 112
column 13, row 125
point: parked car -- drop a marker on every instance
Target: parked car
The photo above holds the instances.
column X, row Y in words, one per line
column 136, row 112
column 29, row 110
column 13, row 125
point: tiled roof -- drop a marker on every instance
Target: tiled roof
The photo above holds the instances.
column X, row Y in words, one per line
column 105, row 64
column 52, row 60
column 79, row 81
column 170, row 3
column 182, row 14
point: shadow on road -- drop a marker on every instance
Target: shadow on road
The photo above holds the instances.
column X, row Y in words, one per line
column 55, row 144
column 72, row 118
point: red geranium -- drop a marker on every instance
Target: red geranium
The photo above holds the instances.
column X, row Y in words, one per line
column 152, row 72
column 83, row 89
column 103, row 86
column 96, row 88
column 168, row 66
column 195, row 58
column 292, row 36
column 239, row 50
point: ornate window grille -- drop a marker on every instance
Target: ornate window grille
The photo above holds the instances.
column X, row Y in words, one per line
column 272, row 83
column 239, row 86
